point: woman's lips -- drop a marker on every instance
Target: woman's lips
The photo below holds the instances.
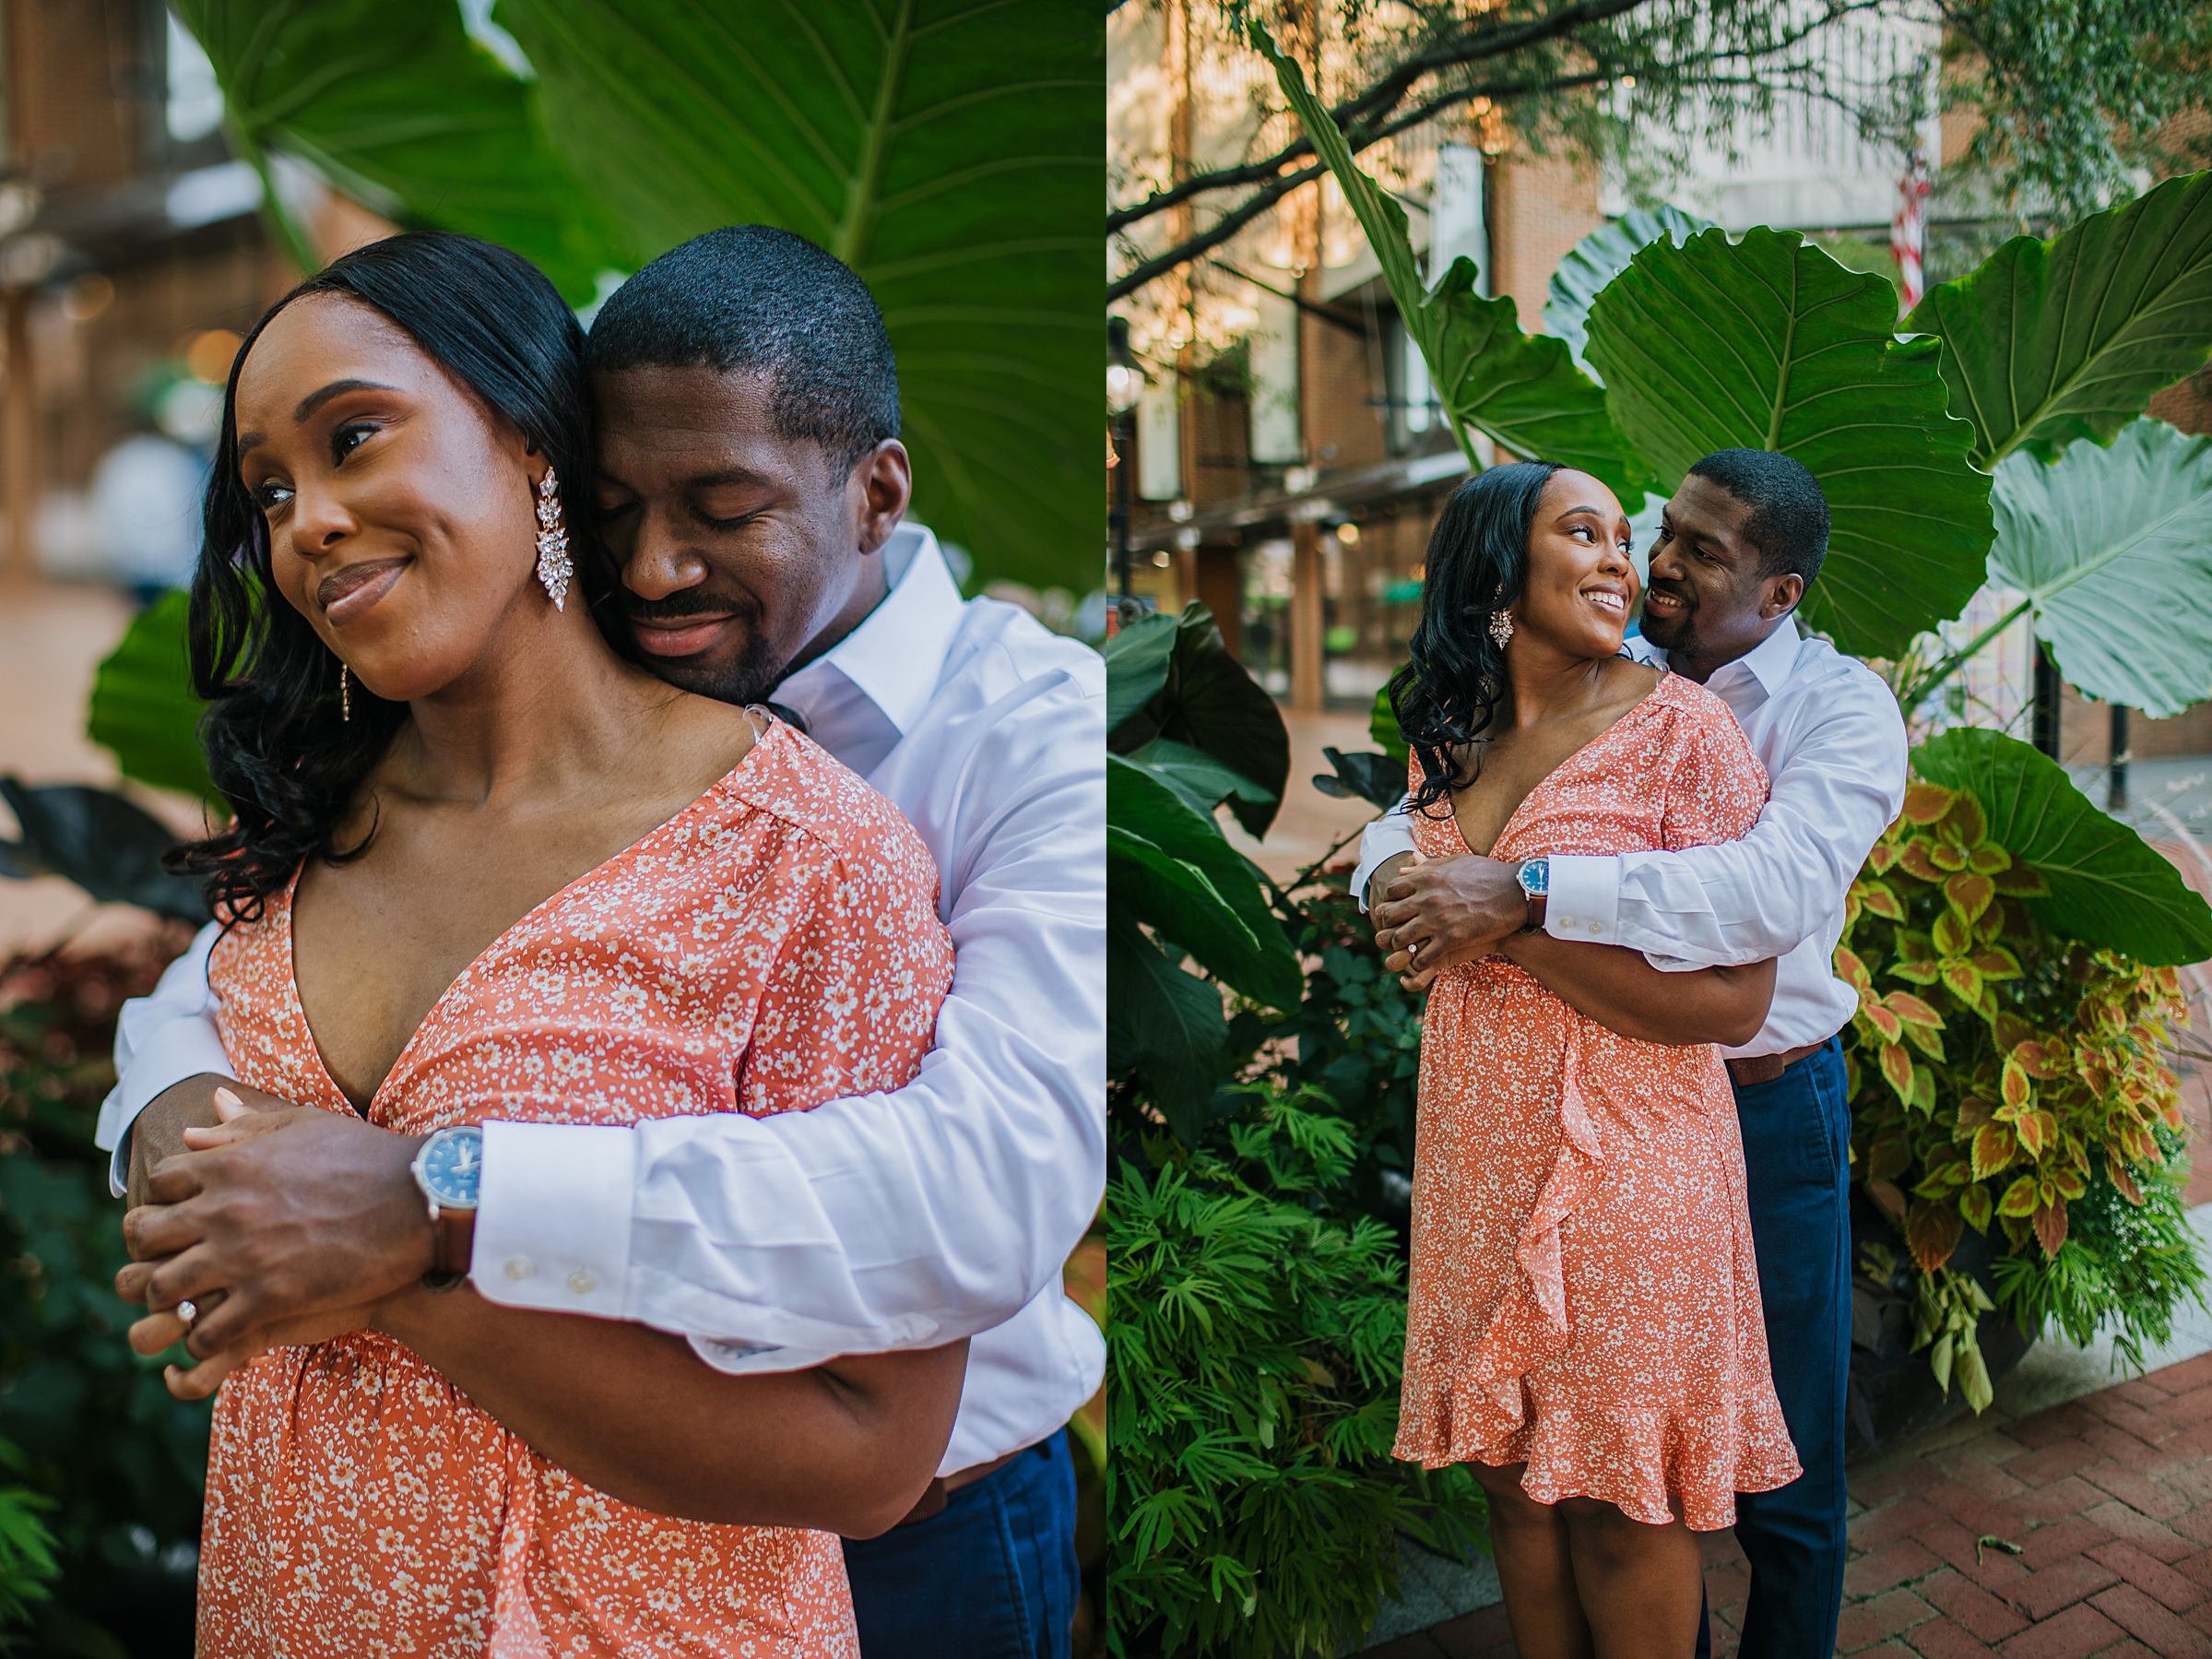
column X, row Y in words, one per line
column 349, row 595
column 687, row 637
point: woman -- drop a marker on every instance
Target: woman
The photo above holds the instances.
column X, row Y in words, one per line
column 1584, row 1324
column 482, row 868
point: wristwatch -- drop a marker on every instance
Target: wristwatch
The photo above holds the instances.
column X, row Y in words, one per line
column 1535, row 878
column 446, row 1168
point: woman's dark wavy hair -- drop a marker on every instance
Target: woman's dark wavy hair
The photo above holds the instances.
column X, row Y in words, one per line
column 277, row 748
column 1478, row 562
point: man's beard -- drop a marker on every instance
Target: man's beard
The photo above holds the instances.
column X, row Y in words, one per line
column 747, row 680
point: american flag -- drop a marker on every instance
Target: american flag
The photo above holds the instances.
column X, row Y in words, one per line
column 1909, row 230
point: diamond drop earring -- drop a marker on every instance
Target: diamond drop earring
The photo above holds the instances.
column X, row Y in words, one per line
column 554, row 567
column 345, row 694
column 1501, row 628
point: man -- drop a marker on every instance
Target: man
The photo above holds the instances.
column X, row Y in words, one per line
column 1738, row 545
column 736, row 377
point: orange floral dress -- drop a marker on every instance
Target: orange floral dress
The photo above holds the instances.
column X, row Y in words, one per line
column 1584, row 1299
column 772, row 947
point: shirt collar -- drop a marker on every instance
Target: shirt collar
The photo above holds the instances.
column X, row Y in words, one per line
column 1770, row 662
column 896, row 654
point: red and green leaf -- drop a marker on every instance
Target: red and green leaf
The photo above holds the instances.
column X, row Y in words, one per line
column 1926, row 803
column 2050, row 1227
column 1896, row 1066
column 2020, row 1199
column 1975, row 1206
column 1932, row 1233
column 1994, row 1146
column 1969, row 893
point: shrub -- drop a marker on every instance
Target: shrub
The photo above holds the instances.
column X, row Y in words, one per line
column 1256, row 1350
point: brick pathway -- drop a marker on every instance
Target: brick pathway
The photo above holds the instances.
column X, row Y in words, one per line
column 2109, row 1499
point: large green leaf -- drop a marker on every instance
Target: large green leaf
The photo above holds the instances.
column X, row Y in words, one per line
column 2049, row 341
column 952, row 152
column 1203, row 698
column 2114, row 550
column 1523, row 391
column 393, row 103
column 143, row 708
column 1171, row 869
column 1166, row 1026
column 2108, row 887
column 107, row 845
column 1768, row 343
column 1597, row 259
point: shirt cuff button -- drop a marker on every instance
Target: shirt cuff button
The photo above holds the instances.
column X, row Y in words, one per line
column 583, row 1281
column 520, row 1267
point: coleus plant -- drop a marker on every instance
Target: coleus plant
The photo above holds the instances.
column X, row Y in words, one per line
column 2014, row 1066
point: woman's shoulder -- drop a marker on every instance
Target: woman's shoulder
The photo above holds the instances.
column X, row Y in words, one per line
column 824, row 804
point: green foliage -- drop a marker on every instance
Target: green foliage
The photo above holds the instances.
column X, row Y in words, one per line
column 2105, row 885
column 1256, row 1349
column 2068, row 102
column 2126, row 1267
column 121, row 1462
column 948, row 158
column 2049, row 341
column 28, row 1563
column 2102, row 542
column 1188, row 730
column 106, row 845
column 1597, row 259
column 1768, row 343
column 1523, row 391
column 393, row 103
column 2004, row 1075
column 143, row 710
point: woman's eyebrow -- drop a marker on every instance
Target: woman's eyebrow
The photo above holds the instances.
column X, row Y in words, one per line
column 250, row 441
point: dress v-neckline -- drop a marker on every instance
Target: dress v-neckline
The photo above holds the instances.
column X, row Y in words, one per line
column 543, row 907
column 1543, row 783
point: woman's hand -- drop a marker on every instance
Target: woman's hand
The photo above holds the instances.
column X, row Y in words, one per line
column 159, row 1332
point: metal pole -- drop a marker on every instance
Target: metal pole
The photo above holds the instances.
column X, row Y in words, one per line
column 1124, row 435
column 2117, row 768
column 2046, row 713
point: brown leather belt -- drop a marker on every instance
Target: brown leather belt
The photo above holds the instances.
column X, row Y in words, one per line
column 943, row 1486
column 1766, row 1067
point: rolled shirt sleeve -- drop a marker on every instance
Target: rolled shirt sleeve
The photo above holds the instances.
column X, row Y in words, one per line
column 1379, row 843
column 159, row 1041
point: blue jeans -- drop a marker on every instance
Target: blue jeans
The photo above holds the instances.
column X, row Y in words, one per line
column 1796, row 1161
column 990, row 1576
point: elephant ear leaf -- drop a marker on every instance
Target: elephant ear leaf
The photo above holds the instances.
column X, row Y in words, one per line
column 1601, row 256
column 2045, row 342
column 2106, row 885
column 1522, row 391
column 948, row 152
column 1768, row 343
column 396, row 107
column 2108, row 547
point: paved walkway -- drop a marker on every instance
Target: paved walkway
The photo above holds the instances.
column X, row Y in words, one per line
column 2108, row 1499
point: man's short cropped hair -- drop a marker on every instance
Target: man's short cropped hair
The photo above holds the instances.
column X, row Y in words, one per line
column 1789, row 522
column 751, row 297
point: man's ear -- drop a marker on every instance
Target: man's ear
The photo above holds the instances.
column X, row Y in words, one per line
column 1782, row 593
column 883, row 480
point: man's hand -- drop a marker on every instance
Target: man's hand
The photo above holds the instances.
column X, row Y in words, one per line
column 1441, row 912
column 289, row 1215
column 159, row 1131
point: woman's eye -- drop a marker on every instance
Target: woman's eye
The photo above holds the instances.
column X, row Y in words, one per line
column 348, row 438
column 1586, row 532
column 269, row 497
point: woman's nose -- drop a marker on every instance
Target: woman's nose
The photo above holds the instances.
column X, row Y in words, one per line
column 321, row 522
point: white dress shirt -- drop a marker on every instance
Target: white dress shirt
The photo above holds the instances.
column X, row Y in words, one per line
column 1828, row 732
column 943, row 1210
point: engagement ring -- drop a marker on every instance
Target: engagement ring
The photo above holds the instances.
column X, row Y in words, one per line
column 188, row 1312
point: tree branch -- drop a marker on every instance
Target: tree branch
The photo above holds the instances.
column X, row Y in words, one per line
column 1377, row 100
column 1380, row 99
column 1282, row 185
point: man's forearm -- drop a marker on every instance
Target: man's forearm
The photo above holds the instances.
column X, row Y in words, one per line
column 847, row 1447
column 159, row 1131
column 1386, row 871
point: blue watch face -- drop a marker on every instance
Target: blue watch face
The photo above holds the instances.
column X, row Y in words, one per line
column 450, row 1165
column 1536, row 877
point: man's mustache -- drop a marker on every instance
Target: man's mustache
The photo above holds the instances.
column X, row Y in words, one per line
column 677, row 607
